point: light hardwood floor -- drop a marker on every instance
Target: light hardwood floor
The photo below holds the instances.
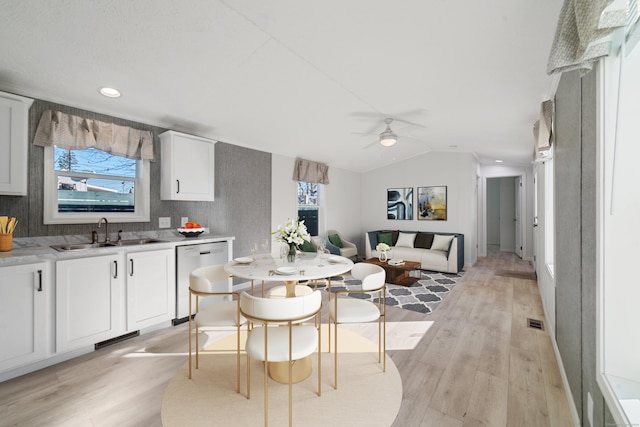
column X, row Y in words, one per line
column 478, row 365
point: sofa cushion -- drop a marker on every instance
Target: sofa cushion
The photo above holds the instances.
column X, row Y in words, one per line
column 405, row 240
column 441, row 243
column 373, row 238
column 423, row 240
column 335, row 240
column 307, row 246
column 385, row 237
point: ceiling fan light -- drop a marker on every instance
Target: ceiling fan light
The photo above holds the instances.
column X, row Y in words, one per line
column 388, row 138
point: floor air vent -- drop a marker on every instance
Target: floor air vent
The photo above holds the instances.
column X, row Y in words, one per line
column 535, row 324
column 116, row 340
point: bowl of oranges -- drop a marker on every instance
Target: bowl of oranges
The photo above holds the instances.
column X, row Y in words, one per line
column 191, row 229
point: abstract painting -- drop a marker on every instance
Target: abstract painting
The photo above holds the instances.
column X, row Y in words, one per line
column 400, row 203
column 432, row 203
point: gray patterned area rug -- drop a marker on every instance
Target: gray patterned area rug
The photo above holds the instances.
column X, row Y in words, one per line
column 423, row 296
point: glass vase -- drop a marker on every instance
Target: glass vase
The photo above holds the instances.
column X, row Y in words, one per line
column 291, row 256
column 382, row 256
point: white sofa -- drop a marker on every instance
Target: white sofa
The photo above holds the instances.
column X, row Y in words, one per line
column 448, row 261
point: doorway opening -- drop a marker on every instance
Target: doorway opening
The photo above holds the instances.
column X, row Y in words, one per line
column 503, row 226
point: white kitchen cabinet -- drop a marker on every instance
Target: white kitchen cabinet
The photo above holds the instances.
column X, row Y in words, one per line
column 151, row 290
column 14, row 122
column 90, row 301
column 187, row 164
column 25, row 295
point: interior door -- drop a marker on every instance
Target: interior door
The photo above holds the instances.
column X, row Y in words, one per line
column 517, row 222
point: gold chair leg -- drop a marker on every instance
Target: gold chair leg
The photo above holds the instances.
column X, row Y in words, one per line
column 248, row 370
column 190, row 343
column 266, row 381
column 335, row 354
column 319, row 327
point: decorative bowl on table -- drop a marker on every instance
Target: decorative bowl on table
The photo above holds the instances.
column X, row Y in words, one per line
column 191, row 232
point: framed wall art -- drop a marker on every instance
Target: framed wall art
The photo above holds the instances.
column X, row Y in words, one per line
column 400, row 203
column 432, row 203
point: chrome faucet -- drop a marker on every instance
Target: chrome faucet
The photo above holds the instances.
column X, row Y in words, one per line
column 106, row 229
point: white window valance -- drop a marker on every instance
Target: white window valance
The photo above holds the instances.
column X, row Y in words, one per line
column 584, row 31
column 308, row 171
column 77, row 133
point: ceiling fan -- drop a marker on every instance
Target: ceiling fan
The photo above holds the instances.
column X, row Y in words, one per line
column 387, row 137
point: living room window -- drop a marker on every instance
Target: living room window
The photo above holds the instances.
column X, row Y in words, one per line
column 308, row 197
column 549, row 227
column 82, row 186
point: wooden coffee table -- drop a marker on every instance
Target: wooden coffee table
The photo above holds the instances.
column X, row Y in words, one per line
column 397, row 274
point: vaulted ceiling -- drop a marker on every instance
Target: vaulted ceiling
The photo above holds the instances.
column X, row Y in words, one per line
column 304, row 79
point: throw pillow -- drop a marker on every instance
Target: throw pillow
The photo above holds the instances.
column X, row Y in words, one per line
column 335, row 240
column 405, row 240
column 394, row 236
column 423, row 240
column 441, row 243
column 307, row 246
column 385, row 238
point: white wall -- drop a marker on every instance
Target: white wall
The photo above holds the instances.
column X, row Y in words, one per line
column 507, row 214
column 455, row 170
column 340, row 200
column 493, row 211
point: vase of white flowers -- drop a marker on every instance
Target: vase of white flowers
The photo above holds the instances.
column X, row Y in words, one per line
column 382, row 249
column 294, row 233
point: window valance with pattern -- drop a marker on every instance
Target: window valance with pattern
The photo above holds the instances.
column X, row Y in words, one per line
column 583, row 35
column 308, row 171
column 77, row 133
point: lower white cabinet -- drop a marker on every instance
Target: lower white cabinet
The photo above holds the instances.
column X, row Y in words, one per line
column 151, row 290
column 90, row 301
column 25, row 292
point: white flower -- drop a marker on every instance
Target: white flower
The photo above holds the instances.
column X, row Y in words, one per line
column 382, row 247
column 294, row 232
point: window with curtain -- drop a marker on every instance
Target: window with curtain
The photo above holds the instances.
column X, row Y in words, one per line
column 93, row 169
column 308, row 196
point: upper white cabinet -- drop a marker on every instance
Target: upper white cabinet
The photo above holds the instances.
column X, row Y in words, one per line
column 14, row 144
column 187, row 167
column 25, row 293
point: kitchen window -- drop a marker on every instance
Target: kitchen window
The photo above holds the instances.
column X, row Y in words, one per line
column 81, row 186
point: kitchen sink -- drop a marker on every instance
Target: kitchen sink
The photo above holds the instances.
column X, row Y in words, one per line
column 80, row 246
column 136, row 242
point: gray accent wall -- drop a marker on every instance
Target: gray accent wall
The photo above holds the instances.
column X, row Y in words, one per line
column 242, row 191
column 575, row 239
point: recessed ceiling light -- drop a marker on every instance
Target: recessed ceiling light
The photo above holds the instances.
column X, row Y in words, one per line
column 110, row 92
column 499, row 161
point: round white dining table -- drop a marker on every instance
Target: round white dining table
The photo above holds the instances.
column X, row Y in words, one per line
column 307, row 266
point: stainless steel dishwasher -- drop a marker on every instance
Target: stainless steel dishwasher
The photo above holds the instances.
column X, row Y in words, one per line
column 190, row 257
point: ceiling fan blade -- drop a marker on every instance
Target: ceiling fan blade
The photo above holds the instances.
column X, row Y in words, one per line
column 409, row 123
column 364, row 133
column 372, row 144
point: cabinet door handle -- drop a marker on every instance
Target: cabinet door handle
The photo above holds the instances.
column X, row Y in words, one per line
column 131, row 263
column 178, row 184
column 115, row 265
column 39, row 280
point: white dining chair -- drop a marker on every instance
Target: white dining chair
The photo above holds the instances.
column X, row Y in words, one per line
column 273, row 342
column 343, row 309
column 219, row 313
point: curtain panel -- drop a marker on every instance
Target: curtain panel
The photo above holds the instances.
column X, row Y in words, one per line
column 583, row 33
column 308, row 171
column 77, row 133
